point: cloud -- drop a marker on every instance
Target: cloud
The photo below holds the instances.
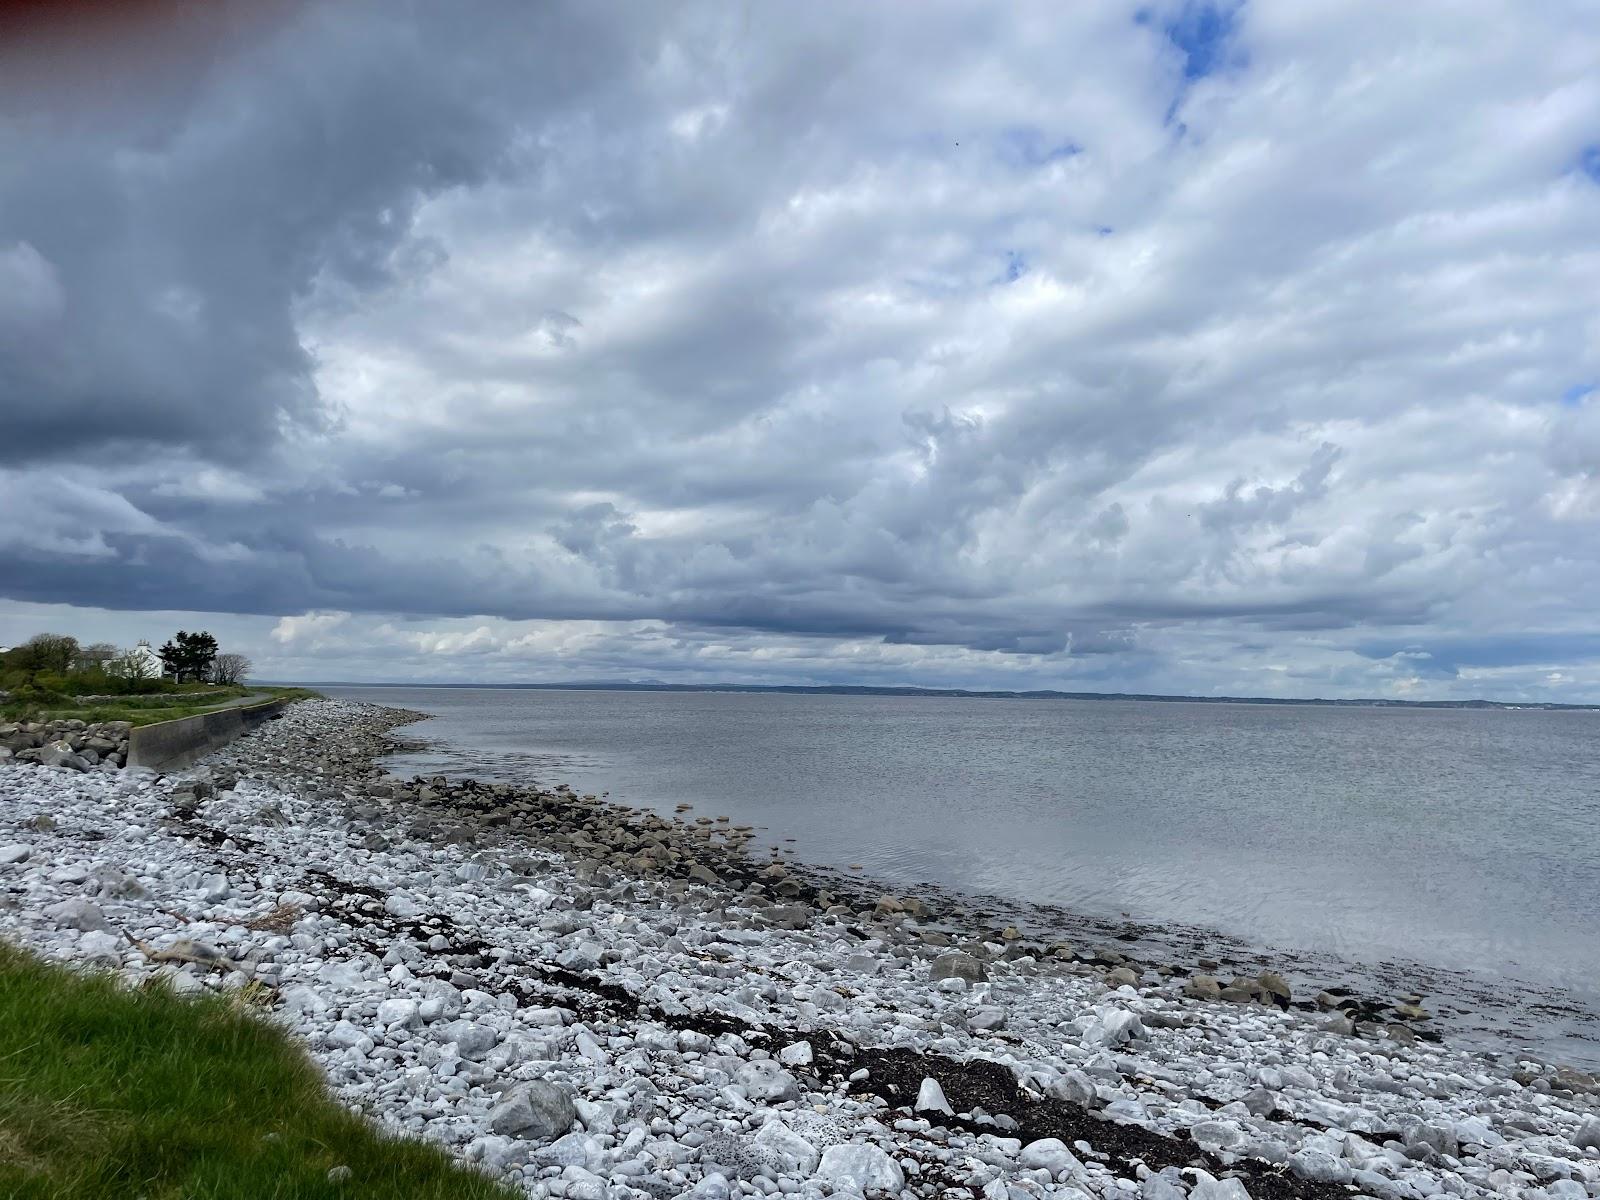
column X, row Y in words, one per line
column 1165, row 342
column 309, row 627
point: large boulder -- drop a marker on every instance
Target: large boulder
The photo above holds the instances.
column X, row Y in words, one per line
column 861, row 1168
column 764, row 1080
column 1050, row 1154
column 536, row 1111
column 472, row 1040
column 78, row 914
column 61, row 754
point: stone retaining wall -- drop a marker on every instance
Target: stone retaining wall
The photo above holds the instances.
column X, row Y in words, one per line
column 173, row 745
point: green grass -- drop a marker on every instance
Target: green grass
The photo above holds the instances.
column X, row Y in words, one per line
column 107, row 1092
column 147, row 710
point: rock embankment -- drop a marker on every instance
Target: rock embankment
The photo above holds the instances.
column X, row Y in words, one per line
column 72, row 744
column 546, row 985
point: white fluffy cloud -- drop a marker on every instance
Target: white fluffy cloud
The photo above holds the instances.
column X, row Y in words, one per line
column 1170, row 347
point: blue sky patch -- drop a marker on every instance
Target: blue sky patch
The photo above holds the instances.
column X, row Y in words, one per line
column 1579, row 392
column 1203, row 30
column 1589, row 162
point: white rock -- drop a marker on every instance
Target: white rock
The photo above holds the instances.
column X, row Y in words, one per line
column 298, row 998
column 1050, row 1154
column 572, row 1150
column 348, row 1036
column 798, row 1156
column 14, row 854
column 1208, row 1187
column 863, row 1168
column 402, row 907
column 930, row 1098
column 713, row 1187
column 763, row 1079
column 1112, row 1026
column 796, row 1054
column 397, row 1010
column 590, row 1049
column 101, row 948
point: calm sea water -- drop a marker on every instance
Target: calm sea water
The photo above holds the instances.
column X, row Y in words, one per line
column 1456, row 838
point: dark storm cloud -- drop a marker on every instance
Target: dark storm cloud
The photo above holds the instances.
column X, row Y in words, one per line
column 166, row 248
column 1123, row 350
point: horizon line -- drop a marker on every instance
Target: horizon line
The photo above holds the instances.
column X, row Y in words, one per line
column 953, row 692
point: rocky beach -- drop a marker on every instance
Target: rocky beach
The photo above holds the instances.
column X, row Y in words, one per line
column 594, row 1002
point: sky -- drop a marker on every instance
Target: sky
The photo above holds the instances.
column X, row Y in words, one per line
column 1188, row 347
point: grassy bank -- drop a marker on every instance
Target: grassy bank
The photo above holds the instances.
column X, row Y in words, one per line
column 147, row 710
column 110, row 1092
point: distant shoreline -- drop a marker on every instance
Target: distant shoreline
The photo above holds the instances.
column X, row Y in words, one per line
column 968, row 693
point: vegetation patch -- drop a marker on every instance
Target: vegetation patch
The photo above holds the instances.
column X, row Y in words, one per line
column 106, row 1091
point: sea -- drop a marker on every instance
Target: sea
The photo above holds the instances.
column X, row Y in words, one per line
column 1445, row 851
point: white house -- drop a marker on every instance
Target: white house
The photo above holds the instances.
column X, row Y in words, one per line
column 150, row 662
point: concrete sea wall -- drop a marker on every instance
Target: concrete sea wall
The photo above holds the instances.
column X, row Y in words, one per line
column 173, row 745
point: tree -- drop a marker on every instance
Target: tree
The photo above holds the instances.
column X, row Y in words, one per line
column 132, row 664
column 189, row 655
column 230, row 668
column 46, row 652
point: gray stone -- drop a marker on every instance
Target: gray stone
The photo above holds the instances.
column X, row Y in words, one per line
column 537, row 1111
column 1075, row 1088
column 1213, row 1136
column 78, row 914
column 14, row 854
column 1319, row 1167
column 472, row 1040
column 958, row 966
column 1259, row 1102
column 1587, row 1136
column 61, row 754
column 987, row 1017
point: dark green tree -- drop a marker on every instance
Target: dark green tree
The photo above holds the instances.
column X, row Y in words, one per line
column 45, row 652
column 189, row 655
